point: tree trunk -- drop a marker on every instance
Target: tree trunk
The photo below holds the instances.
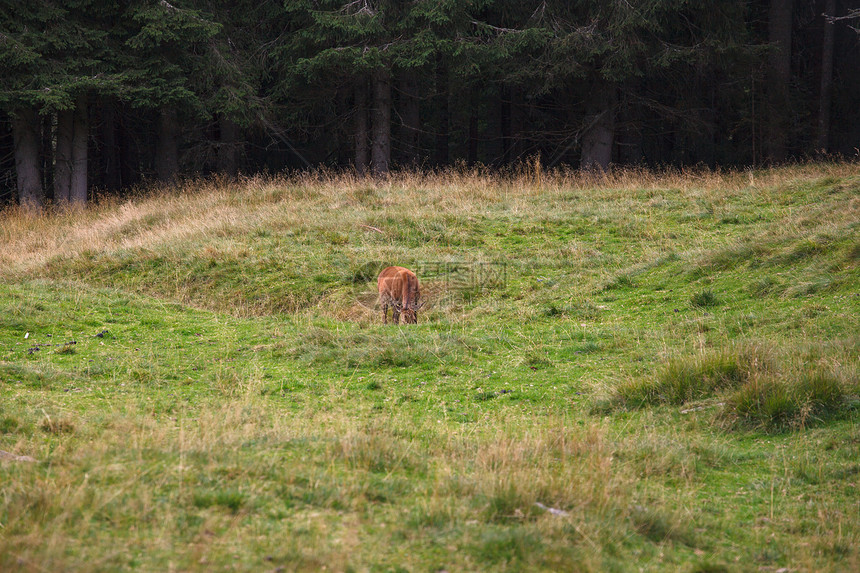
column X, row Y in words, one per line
column 411, row 119
column 472, row 151
column 381, row 122
column 78, row 175
column 26, row 140
column 599, row 134
column 63, row 156
column 505, row 124
column 362, row 151
column 167, row 147
column 46, row 153
column 343, row 131
column 779, row 77
column 111, row 147
column 129, row 152
column 629, row 131
column 444, row 116
column 227, row 147
column 597, row 142
column 518, row 123
column 826, row 94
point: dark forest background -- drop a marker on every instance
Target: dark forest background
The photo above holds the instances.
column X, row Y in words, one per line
column 99, row 96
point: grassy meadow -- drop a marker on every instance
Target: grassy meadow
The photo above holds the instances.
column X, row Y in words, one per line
column 634, row 371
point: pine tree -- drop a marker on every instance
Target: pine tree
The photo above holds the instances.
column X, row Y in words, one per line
column 590, row 57
column 365, row 48
column 164, row 52
column 778, row 77
column 53, row 56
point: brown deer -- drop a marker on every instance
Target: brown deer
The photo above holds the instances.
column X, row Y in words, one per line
column 398, row 289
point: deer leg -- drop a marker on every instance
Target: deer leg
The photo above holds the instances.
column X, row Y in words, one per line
column 385, row 314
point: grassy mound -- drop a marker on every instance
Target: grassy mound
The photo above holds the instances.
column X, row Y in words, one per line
column 631, row 369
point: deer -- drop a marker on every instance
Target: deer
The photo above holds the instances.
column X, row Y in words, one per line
column 398, row 289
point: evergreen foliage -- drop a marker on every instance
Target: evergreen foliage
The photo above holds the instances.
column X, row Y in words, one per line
column 208, row 86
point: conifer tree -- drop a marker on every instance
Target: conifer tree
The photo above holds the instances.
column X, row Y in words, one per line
column 56, row 58
column 163, row 54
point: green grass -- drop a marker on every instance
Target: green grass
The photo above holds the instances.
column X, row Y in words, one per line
column 631, row 371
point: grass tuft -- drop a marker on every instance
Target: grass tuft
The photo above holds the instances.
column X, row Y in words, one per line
column 693, row 378
column 853, row 254
column 659, row 527
column 9, row 425
column 704, row 299
column 763, row 286
column 67, row 348
column 709, row 568
column 508, row 546
column 776, row 403
column 728, row 258
column 229, row 499
column 621, row 281
column 58, row 426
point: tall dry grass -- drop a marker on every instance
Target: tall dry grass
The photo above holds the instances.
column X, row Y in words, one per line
column 202, row 487
column 153, row 217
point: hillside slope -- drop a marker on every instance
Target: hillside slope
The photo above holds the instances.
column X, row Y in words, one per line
column 659, row 369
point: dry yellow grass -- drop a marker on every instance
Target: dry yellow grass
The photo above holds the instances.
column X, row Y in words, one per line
column 141, row 475
column 201, row 208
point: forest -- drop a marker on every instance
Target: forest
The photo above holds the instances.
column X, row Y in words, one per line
column 98, row 97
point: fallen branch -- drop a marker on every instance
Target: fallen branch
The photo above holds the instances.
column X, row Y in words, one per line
column 372, row 228
column 697, row 408
column 552, row 510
